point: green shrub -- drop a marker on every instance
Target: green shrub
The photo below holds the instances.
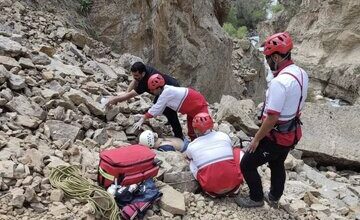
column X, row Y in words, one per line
column 229, row 28
column 85, row 6
column 277, row 8
column 241, row 32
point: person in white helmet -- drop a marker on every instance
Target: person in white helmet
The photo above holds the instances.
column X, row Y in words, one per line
column 151, row 139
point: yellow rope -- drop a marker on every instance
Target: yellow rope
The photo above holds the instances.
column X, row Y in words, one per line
column 69, row 179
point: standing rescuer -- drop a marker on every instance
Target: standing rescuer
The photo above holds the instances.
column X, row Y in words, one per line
column 139, row 85
column 281, row 127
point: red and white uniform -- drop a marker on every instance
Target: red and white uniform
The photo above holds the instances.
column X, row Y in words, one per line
column 184, row 100
column 213, row 164
column 282, row 99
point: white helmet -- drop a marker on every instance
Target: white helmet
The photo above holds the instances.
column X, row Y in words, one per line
column 147, row 138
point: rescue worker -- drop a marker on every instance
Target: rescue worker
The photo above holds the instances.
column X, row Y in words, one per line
column 281, row 127
column 213, row 162
column 151, row 139
column 141, row 74
column 184, row 100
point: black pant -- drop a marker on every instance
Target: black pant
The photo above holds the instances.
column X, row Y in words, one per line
column 173, row 120
column 266, row 152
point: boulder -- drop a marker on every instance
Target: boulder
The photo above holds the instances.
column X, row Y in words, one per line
column 62, row 131
column 335, row 125
column 18, row 197
column 7, row 168
column 78, row 97
column 60, row 68
column 16, row 82
column 8, row 62
column 11, row 48
column 23, row 106
column 26, row 63
column 172, row 201
column 28, row 121
column 236, row 113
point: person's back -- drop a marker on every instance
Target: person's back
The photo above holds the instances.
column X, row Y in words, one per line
column 213, row 164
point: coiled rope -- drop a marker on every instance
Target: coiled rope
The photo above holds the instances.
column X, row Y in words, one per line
column 69, row 179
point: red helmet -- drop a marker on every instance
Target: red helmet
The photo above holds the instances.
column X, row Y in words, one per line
column 202, row 122
column 280, row 42
column 155, row 81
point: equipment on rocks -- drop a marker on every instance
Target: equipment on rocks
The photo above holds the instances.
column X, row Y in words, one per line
column 69, row 179
column 127, row 165
column 147, row 138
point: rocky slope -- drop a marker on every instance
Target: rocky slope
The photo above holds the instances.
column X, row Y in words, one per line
column 182, row 38
column 326, row 35
column 51, row 80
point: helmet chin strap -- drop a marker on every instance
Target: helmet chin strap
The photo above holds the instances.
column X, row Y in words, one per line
column 276, row 66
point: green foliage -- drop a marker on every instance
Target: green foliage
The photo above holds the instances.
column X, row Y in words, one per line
column 85, row 6
column 277, row 8
column 247, row 13
column 240, row 33
column 232, row 17
column 229, row 28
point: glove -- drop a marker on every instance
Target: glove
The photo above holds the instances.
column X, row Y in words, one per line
column 138, row 124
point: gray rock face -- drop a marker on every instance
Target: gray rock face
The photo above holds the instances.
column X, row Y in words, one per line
column 330, row 45
column 190, row 41
column 62, row 131
column 23, row 106
column 331, row 134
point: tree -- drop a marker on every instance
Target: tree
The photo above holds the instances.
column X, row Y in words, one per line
column 251, row 12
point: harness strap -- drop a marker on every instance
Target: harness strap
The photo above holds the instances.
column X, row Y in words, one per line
column 296, row 119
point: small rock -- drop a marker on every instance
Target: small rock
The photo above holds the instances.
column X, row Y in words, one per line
column 56, row 195
column 8, row 62
column 27, row 181
column 26, row 63
column 18, row 197
column 172, row 201
column 29, row 194
column 38, row 207
column 100, row 136
column 16, row 82
column 48, row 50
column 48, row 75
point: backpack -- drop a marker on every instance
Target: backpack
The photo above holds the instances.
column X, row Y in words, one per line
column 127, row 165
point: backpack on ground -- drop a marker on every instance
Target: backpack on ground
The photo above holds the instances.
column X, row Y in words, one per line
column 127, row 165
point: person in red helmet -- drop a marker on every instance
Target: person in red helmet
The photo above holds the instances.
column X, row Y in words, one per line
column 141, row 73
column 184, row 100
column 213, row 162
column 281, row 127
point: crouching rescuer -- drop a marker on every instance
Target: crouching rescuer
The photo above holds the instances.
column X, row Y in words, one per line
column 212, row 159
column 187, row 101
column 281, row 127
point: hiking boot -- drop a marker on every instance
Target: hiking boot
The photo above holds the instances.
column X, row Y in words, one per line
column 269, row 199
column 246, row 202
